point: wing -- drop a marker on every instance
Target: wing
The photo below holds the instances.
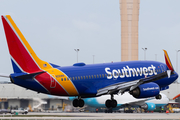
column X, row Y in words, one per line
column 122, row 87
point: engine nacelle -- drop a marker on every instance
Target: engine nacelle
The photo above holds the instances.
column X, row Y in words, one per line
column 146, row 90
column 148, row 106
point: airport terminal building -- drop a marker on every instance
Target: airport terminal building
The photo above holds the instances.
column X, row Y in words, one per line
column 13, row 97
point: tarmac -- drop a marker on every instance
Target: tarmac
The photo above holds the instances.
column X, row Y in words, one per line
column 92, row 116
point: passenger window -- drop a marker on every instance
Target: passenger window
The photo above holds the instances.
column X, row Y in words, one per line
column 105, row 75
column 108, row 75
column 89, row 77
column 61, row 79
column 92, row 76
column 68, row 78
column 78, row 77
column 100, row 75
column 81, row 77
column 73, row 78
column 84, row 77
column 64, row 79
column 97, row 76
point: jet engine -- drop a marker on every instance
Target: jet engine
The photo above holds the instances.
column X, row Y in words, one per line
column 145, row 90
column 148, row 106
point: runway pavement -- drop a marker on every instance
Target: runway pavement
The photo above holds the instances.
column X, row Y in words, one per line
column 99, row 116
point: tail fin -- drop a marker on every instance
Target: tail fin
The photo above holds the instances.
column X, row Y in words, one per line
column 168, row 62
column 22, row 55
column 176, row 96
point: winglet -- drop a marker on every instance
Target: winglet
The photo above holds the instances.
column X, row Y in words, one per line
column 168, row 62
column 176, row 96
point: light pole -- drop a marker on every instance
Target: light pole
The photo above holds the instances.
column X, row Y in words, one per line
column 144, row 53
column 177, row 61
column 77, row 50
column 156, row 57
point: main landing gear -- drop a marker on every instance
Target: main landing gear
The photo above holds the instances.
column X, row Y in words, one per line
column 111, row 103
column 78, row 102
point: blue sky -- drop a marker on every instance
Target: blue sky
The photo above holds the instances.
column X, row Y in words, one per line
column 55, row 28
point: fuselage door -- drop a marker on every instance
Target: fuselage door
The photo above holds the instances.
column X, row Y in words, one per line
column 53, row 81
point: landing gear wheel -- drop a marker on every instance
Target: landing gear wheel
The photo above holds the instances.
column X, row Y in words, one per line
column 108, row 103
column 78, row 102
column 113, row 103
column 81, row 103
column 75, row 102
column 158, row 97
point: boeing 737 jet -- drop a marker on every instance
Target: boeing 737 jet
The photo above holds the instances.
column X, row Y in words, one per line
column 141, row 79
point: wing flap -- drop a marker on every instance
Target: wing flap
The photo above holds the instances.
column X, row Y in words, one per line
column 116, row 87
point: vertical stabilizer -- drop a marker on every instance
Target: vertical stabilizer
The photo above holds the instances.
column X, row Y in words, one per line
column 23, row 57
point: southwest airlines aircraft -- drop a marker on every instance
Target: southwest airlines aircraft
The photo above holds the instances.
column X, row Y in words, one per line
column 141, row 79
column 126, row 100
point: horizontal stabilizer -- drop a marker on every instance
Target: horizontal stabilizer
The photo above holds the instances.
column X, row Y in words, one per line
column 4, row 75
column 29, row 76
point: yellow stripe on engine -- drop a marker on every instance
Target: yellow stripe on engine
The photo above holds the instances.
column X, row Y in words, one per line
column 64, row 81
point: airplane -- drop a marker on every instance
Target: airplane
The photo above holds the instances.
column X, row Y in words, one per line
column 126, row 100
column 141, row 79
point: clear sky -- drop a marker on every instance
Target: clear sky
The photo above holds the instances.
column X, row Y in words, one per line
column 54, row 28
